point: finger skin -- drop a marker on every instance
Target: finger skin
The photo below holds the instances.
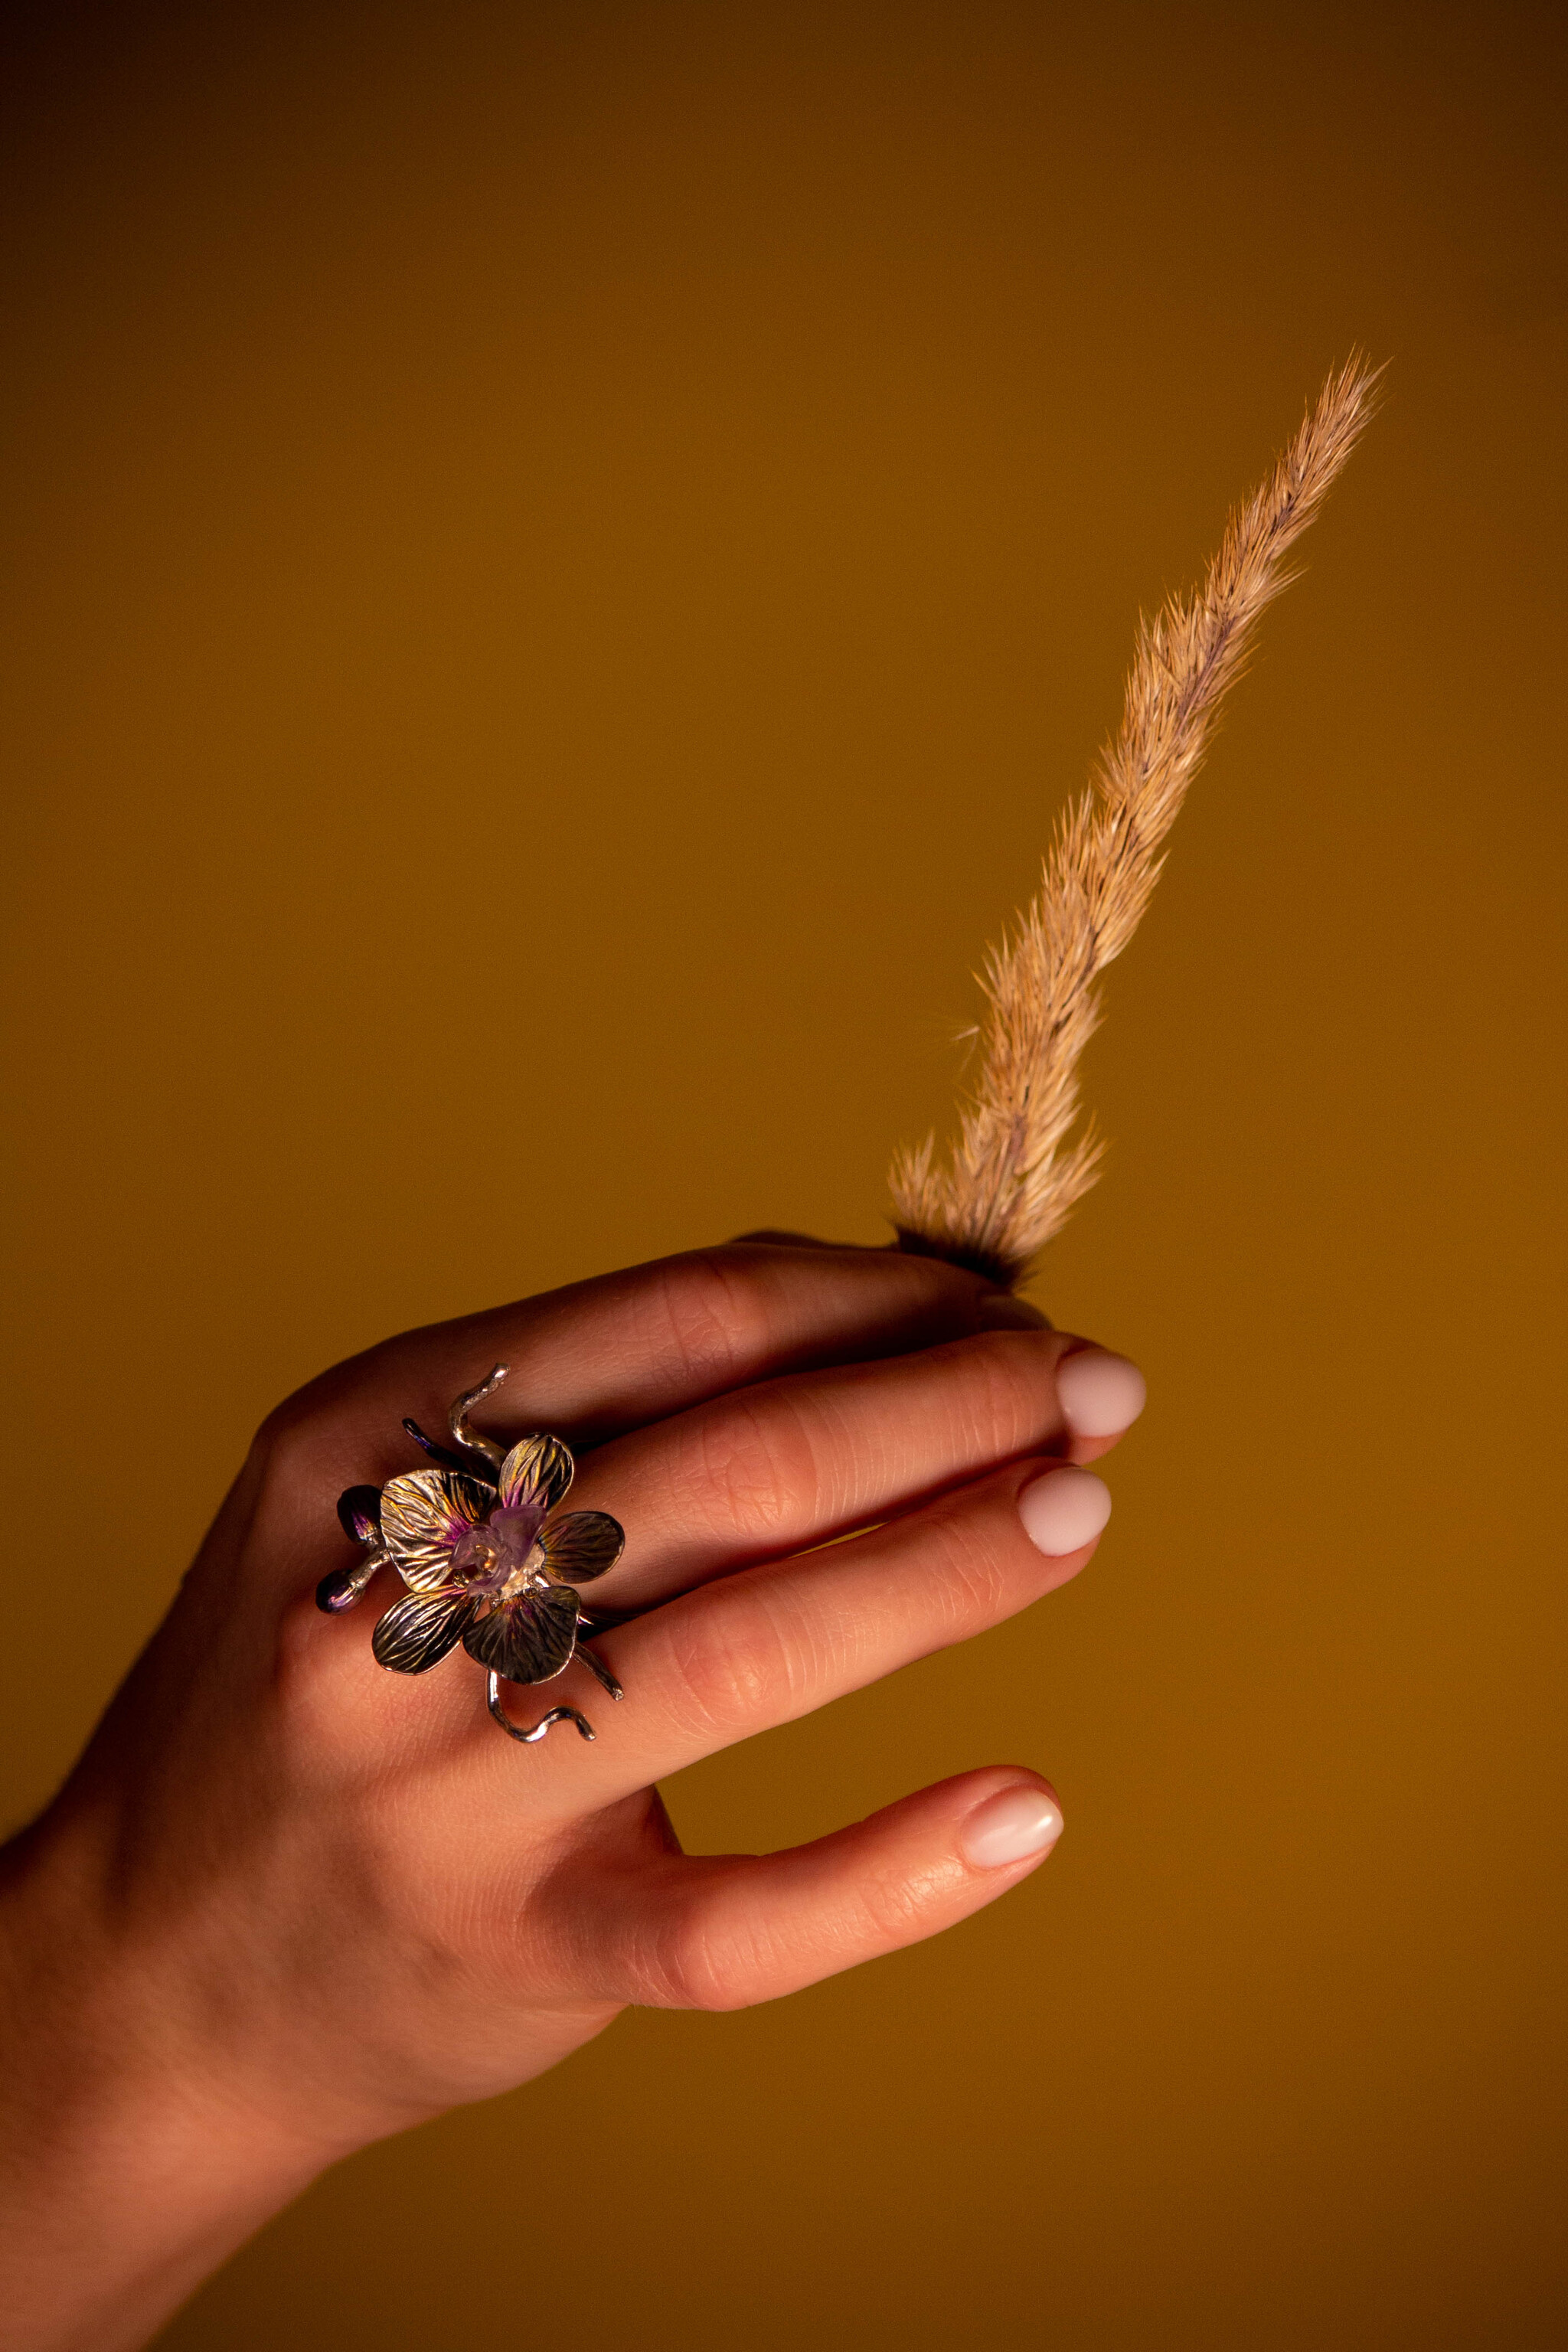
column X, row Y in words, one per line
column 771, row 1644
column 794, row 1462
column 602, row 1357
column 723, row 1931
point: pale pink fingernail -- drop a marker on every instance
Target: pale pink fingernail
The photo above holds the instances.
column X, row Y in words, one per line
column 1101, row 1394
column 1064, row 1511
column 1009, row 1827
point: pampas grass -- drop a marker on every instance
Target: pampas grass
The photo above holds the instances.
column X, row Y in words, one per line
column 1016, row 1168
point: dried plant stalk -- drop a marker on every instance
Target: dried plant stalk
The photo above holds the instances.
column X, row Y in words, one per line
column 1016, row 1168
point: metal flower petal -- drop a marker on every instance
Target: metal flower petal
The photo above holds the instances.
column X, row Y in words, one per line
column 581, row 1545
column 529, row 1640
column 417, row 1631
column 538, row 1469
column 425, row 1514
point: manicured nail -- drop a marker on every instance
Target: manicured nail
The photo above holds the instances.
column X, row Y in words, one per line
column 1101, row 1394
column 998, row 1310
column 1064, row 1511
column 1009, row 1827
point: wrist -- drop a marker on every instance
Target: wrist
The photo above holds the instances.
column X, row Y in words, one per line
column 131, row 2162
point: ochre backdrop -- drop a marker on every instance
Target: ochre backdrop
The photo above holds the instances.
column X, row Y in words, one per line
column 580, row 548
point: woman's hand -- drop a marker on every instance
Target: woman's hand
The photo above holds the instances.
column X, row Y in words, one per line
column 288, row 1904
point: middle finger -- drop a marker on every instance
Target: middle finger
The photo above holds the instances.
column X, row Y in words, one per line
column 793, row 1462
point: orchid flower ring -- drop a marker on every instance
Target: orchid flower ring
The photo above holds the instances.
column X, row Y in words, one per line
column 489, row 1559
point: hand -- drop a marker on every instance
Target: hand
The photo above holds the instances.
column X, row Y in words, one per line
column 288, row 1904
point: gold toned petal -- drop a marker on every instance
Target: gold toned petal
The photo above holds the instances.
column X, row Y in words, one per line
column 529, row 1640
column 538, row 1469
column 425, row 1514
column 581, row 1545
column 417, row 1630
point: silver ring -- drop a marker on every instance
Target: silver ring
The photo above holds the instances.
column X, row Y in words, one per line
column 489, row 1559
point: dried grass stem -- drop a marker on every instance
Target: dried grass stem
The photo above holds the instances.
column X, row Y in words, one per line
column 1016, row 1168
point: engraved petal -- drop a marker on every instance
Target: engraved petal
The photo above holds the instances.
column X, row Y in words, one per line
column 425, row 1514
column 529, row 1640
column 538, row 1469
column 581, row 1545
column 417, row 1630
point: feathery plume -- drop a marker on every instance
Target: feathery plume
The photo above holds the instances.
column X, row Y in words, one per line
column 1016, row 1168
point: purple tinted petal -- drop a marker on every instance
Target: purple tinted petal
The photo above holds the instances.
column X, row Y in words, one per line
column 581, row 1545
column 529, row 1640
column 418, row 1631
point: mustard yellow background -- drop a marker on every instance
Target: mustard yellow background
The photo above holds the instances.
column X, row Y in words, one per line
column 577, row 548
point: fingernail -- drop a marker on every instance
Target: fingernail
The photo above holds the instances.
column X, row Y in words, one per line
column 1010, row 1826
column 1102, row 1395
column 998, row 1310
column 1064, row 1511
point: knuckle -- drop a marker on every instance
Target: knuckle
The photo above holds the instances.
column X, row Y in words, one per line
column 893, row 1906
column 714, row 1311
column 296, row 1451
column 970, row 1561
column 725, row 1661
column 752, row 1470
column 688, row 1958
column 1005, row 1401
column 678, row 1967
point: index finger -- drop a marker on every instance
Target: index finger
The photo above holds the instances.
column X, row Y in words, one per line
column 596, row 1358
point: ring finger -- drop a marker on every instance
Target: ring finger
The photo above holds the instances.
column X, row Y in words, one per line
column 771, row 1643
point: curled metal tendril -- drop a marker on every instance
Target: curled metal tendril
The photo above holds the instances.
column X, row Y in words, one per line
column 462, row 1430
column 538, row 1730
column 597, row 1667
